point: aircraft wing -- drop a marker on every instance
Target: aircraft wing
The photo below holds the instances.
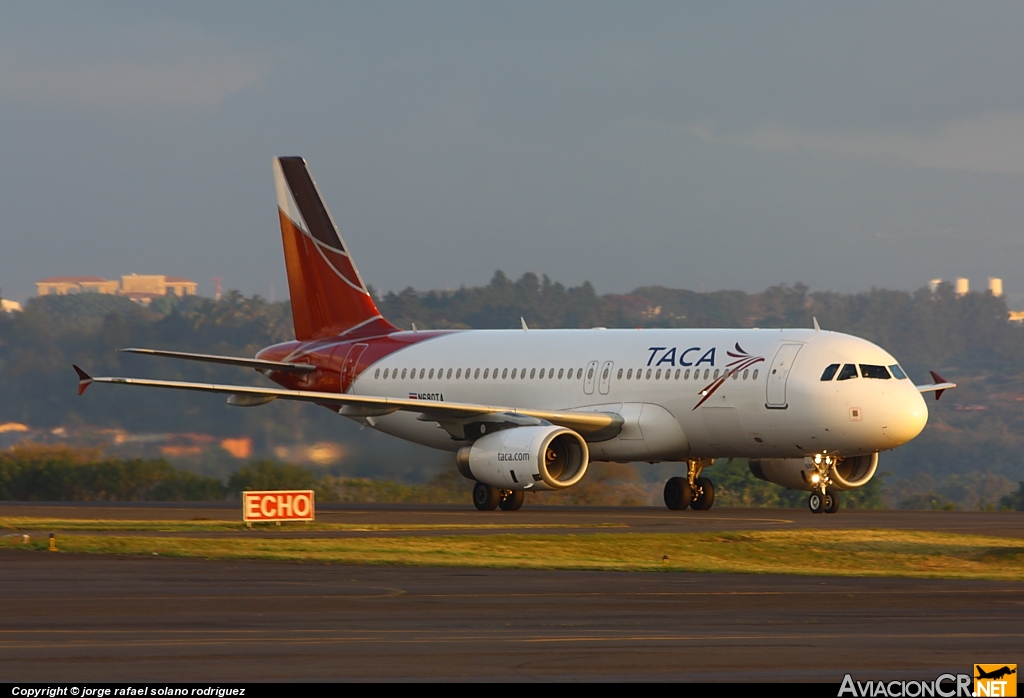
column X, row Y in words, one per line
column 603, row 424
column 229, row 360
column 940, row 385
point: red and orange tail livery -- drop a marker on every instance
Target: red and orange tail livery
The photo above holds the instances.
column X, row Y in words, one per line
column 328, row 296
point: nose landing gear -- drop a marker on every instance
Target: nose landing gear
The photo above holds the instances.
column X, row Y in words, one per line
column 822, row 499
column 827, row 503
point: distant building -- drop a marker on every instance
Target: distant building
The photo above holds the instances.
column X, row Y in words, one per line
column 963, row 286
column 63, row 285
column 995, row 286
column 139, row 288
column 933, row 285
column 7, row 306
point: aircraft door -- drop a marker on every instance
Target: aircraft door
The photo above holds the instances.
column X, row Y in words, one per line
column 589, row 378
column 778, row 375
column 606, row 378
column 351, row 363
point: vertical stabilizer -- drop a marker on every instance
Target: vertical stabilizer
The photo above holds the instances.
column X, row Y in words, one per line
column 328, row 295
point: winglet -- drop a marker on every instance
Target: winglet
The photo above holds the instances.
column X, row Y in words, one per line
column 84, row 379
column 938, row 379
column 817, row 327
column 523, row 320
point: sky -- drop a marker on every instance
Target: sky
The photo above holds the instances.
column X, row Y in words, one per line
column 692, row 145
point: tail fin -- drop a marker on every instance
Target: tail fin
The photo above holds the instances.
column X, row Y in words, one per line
column 328, row 295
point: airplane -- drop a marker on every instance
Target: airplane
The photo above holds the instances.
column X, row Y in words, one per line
column 530, row 409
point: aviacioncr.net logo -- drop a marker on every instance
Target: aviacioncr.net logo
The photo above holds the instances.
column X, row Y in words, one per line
column 944, row 686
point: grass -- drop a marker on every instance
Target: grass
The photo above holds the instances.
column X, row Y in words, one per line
column 866, row 553
column 26, row 523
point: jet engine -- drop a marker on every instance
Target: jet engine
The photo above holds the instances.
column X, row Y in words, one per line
column 526, row 458
column 799, row 473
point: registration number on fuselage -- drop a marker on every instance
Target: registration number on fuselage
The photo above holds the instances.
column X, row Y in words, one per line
column 436, row 397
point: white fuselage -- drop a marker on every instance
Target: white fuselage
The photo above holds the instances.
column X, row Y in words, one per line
column 663, row 384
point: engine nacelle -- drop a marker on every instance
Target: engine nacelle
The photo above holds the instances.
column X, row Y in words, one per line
column 526, row 458
column 796, row 473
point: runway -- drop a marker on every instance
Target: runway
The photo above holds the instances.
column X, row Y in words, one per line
column 551, row 519
column 73, row 617
column 93, row 618
column 80, row 617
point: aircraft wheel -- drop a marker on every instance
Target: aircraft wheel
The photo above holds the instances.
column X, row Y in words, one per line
column 678, row 493
column 512, row 501
column 816, row 503
column 831, row 502
column 706, row 498
column 485, row 497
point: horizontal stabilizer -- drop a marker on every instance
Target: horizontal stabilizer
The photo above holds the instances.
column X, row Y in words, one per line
column 938, row 387
column 258, row 364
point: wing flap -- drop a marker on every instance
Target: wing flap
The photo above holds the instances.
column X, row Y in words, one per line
column 586, row 423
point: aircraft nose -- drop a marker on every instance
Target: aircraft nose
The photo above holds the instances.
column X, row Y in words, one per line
column 905, row 415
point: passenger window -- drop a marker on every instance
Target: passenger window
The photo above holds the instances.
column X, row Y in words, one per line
column 458, row 374
column 579, row 373
column 476, row 374
column 648, row 374
column 590, row 374
column 551, row 373
column 522, row 374
column 830, row 372
column 385, row 373
column 735, row 375
column 869, row 371
column 657, row 376
column 678, row 370
column 431, row 376
column 754, row 377
column 707, row 372
column 376, row 374
column 541, row 376
column 533, row 372
column 629, row 374
column 422, row 371
column 604, row 376
column 716, row 374
column 561, row 372
column 849, row 371
column 449, row 373
column 746, row 373
column 895, row 368
column 686, row 376
column 504, row 373
column 403, row 373
column 619, row 375
column 514, row 374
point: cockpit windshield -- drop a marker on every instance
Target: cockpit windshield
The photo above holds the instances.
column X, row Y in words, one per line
column 870, row 371
column 897, row 371
column 849, row 371
column 830, row 372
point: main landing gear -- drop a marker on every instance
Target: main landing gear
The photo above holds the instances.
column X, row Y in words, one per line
column 487, row 498
column 693, row 491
